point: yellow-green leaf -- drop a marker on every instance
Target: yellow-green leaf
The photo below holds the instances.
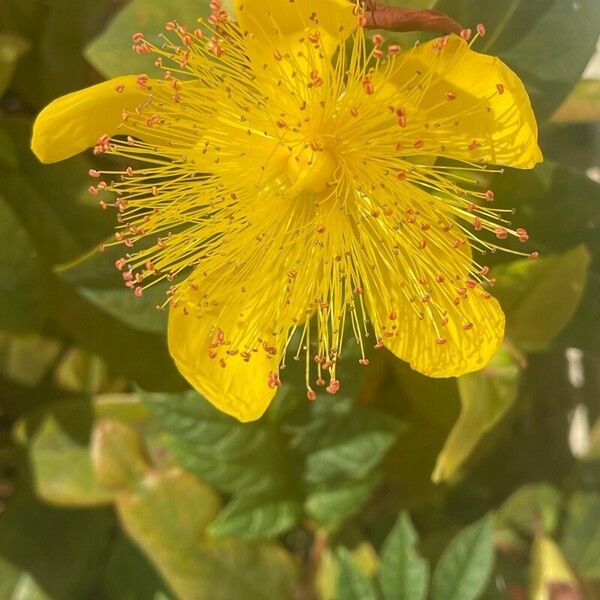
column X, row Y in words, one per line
column 486, row 396
column 56, row 443
column 532, row 509
column 581, row 533
column 12, row 47
column 540, row 297
column 550, row 572
column 167, row 516
column 582, row 105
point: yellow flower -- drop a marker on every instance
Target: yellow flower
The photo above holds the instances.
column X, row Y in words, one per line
column 283, row 177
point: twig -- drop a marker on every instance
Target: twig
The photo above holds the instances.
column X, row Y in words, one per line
column 399, row 18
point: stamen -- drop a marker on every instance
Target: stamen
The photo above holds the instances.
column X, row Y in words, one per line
column 309, row 175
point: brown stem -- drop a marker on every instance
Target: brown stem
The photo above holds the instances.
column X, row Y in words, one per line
column 399, row 18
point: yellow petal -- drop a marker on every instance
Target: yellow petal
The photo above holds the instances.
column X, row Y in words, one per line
column 443, row 328
column 466, row 105
column 416, row 341
column 74, row 122
column 229, row 345
column 279, row 25
column 239, row 389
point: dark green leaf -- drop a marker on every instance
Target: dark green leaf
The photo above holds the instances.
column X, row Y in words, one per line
column 8, row 152
column 352, row 583
column 466, row 565
column 129, row 576
column 50, row 550
column 59, row 215
column 120, row 346
column 548, row 43
column 22, row 284
column 59, row 49
column 256, row 517
column 581, row 534
column 404, row 574
column 98, row 281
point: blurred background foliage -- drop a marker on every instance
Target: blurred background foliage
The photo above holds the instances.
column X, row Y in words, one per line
column 118, row 483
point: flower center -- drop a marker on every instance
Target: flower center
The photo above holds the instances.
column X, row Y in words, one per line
column 311, row 170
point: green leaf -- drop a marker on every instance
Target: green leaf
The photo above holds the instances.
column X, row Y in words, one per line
column 12, row 47
column 95, row 277
column 22, row 287
column 486, row 396
column 582, row 105
column 466, row 565
column 404, row 574
column 532, row 509
column 111, row 54
column 340, row 441
column 333, row 503
column 540, row 297
column 352, row 583
column 548, row 43
column 234, row 457
column 581, row 534
column 350, row 447
column 256, row 517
